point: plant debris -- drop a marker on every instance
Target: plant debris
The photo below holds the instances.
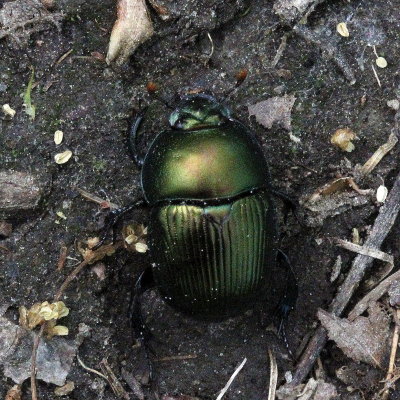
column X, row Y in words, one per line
column 342, row 138
column 58, row 137
column 275, row 110
column 54, row 357
column 364, row 339
column 135, row 238
column 65, row 389
column 132, row 27
column 14, row 393
column 7, row 110
column 30, row 109
column 312, row 390
column 342, row 30
column 62, row 158
column 115, row 384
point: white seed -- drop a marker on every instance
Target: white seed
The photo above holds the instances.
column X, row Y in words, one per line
column 58, row 137
column 381, row 194
column 342, row 29
column 62, row 158
column 381, row 62
column 141, row 247
column 130, row 238
column 8, row 110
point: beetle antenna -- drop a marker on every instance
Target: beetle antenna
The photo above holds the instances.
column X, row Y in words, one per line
column 152, row 88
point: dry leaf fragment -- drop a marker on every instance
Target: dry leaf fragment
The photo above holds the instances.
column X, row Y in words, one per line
column 58, row 137
column 65, row 390
column 341, row 28
column 14, row 393
column 342, row 138
column 8, row 110
column 54, row 357
column 381, row 62
column 132, row 27
column 364, row 339
column 62, row 158
column 274, row 110
column 92, row 256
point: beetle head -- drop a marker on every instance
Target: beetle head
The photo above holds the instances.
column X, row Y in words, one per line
column 197, row 111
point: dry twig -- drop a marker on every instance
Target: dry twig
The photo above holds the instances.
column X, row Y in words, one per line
column 115, row 384
column 231, row 379
column 395, row 341
column 382, row 226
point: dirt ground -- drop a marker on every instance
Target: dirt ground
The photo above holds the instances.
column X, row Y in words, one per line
column 90, row 102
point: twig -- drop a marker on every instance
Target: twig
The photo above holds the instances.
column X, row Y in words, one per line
column 115, row 384
column 172, row 358
column 393, row 352
column 84, row 366
column 96, row 199
column 280, row 50
column 33, row 362
column 273, row 375
column 62, row 258
column 374, row 160
column 382, row 225
column 366, row 251
column 231, row 379
column 376, row 75
column 372, row 296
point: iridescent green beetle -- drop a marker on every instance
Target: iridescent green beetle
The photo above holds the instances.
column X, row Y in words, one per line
column 212, row 229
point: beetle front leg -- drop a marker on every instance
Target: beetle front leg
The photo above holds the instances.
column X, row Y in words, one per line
column 114, row 217
column 133, row 128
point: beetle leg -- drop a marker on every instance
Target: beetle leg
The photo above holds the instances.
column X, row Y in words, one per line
column 133, row 129
column 289, row 202
column 114, row 217
column 139, row 328
column 289, row 298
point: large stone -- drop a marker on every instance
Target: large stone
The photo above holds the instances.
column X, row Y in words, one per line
column 20, row 194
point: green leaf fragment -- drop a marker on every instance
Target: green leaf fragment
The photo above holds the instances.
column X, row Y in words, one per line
column 30, row 109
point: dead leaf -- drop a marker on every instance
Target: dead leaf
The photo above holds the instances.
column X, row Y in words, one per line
column 364, row 339
column 132, row 27
column 54, row 357
column 92, row 256
column 64, row 390
column 14, row 393
column 275, row 110
column 312, row 390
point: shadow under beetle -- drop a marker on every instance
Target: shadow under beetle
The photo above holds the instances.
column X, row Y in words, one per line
column 212, row 230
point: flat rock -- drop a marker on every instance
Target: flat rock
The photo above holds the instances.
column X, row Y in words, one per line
column 20, row 193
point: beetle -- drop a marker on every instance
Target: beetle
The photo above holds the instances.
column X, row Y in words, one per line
column 212, row 230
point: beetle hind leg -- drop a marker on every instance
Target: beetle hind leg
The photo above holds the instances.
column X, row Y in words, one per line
column 289, row 297
column 141, row 333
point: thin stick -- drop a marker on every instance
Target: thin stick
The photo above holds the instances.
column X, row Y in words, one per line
column 393, row 352
column 33, row 362
column 374, row 295
column 84, row 366
column 231, row 379
column 382, row 225
column 273, row 375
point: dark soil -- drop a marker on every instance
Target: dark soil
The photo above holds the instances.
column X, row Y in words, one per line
column 90, row 102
